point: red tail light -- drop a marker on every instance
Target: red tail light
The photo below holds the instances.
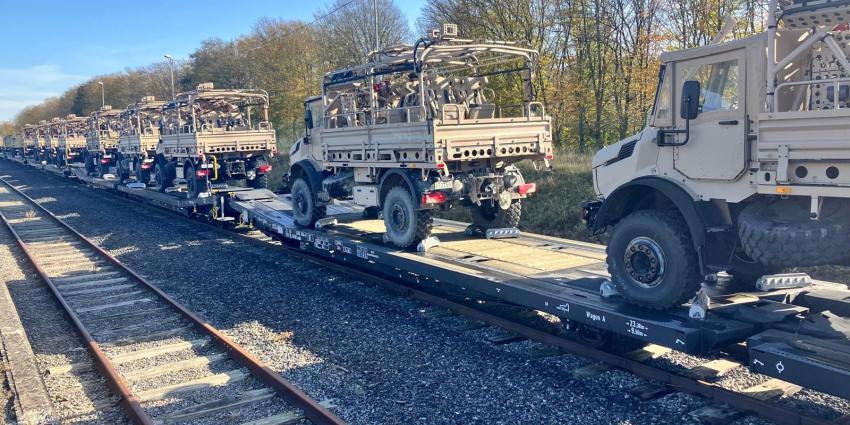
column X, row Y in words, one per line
column 147, row 165
column 550, row 157
column 441, row 165
column 527, row 188
column 434, row 198
column 202, row 173
column 265, row 168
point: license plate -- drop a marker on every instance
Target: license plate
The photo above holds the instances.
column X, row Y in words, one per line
column 218, row 186
column 441, row 185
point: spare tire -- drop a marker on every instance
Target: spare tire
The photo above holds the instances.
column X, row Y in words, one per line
column 782, row 234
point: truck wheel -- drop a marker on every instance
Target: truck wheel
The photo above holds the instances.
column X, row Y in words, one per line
column 161, row 181
column 305, row 207
column 781, row 234
column 260, row 182
column 406, row 225
column 489, row 215
column 142, row 176
column 89, row 164
column 194, row 184
column 652, row 260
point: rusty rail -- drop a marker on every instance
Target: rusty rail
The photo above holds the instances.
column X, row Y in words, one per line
column 313, row 411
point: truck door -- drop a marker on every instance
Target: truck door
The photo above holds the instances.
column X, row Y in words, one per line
column 717, row 149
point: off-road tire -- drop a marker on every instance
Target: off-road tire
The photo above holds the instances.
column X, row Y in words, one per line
column 489, row 215
column 161, row 178
column 781, row 235
column 406, row 224
column 261, row 181
column 142, row 176
column 194, row 185
column 680, row 277
column 305, row 207
column 89, row 161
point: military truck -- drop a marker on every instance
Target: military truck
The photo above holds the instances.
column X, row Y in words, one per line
column 102, row 140
column 214, row 138
column 52, row 131
column 744, row 165
column 41, row 138
column 419, row 128
column 138, row 139
column 72, row 140
column 30, row 150
column 13, row 145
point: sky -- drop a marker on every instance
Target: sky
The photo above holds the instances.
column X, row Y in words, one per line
column 51, row 45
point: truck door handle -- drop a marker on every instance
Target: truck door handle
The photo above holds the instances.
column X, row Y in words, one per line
column 730, row 122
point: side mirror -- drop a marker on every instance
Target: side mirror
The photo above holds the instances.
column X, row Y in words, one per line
column 308, row 118
column 690, row 100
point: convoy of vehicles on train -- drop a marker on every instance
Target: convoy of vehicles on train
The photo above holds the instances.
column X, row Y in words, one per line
column 742, row 168
column 733, row 176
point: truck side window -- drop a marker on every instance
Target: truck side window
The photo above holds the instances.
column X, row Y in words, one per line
column 719, row 86
column 664, row 100
column 318, row 114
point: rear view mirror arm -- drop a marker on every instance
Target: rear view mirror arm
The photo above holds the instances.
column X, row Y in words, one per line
column 661, row 138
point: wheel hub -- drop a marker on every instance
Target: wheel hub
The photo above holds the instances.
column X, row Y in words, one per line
column 301, row 203
column 398, row 218
column 645, row 262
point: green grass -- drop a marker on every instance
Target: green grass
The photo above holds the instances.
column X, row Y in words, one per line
column 555, row 209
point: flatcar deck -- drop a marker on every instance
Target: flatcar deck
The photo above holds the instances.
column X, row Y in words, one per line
column 563, row 277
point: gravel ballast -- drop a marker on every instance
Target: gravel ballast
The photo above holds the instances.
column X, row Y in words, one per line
column 371, row 352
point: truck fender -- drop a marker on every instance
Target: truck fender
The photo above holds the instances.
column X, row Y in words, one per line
column 391, row 177
column 306, row 168
column 700, row 216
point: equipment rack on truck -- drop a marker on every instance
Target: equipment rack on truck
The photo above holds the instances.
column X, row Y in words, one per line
column 798, row 335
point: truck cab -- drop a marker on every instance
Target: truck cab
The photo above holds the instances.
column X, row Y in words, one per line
column 742, row 166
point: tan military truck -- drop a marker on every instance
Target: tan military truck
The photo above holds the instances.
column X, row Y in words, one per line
column 419, row 128
column 104, row 126
column 72, row 140
column 744, row 165
column 213, row 139
column 52, row 131
column 138, row 140
column 30, row 151
column 13, row 145
column 41, row 138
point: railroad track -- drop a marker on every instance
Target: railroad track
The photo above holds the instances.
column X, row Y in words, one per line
column 163, row 363
column 760, row 401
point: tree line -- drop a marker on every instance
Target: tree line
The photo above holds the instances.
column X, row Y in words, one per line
column 596, row 74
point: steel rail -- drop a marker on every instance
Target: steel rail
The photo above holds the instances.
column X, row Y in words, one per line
column 313, row 411
column 778, row 414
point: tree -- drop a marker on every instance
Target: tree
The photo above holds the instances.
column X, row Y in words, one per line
column 347, row 30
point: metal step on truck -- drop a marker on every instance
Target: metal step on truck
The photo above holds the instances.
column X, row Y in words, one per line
column 420, row 128
column 744, row 165
column 138, row 140
column 104, row 126
column 72, row 141
column 214, row 139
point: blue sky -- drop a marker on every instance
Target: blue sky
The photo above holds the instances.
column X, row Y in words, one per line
column 51, row 45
